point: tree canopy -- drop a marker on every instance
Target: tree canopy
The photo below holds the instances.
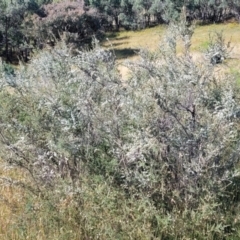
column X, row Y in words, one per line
column 30, row 24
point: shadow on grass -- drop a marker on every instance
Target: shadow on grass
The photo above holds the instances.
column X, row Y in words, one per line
column 122, row 38
column 125, row 52
column 118, row 44
column 115, row 36
column 111, row 35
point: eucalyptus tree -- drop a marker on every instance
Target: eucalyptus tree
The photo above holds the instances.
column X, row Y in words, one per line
column 69, row 21
column 213, row 10
column 112, row 9
column 234, row 6
column 11, row 18
column 142, row 7
column 127, row 17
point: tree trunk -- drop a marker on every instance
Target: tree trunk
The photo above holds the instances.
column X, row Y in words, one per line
column 6, row 39
column 116, row 23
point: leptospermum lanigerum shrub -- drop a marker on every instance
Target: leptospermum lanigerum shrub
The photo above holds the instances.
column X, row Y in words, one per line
column 170, row 131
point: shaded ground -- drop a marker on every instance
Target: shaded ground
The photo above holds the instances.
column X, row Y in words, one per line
column 127, row 43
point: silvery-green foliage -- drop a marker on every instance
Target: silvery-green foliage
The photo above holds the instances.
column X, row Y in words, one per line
column 169, row 130
column 186, row 139
column 66, row 112
column 218, row 50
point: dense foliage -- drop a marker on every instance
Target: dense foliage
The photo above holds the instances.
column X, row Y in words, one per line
column 153, row 157
column 67, row 20
column 31, row 24
column 143, row 13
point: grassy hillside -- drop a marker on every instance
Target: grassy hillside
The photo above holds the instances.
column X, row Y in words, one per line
column 126, row 44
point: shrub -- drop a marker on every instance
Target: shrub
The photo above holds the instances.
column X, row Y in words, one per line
column 166, row 140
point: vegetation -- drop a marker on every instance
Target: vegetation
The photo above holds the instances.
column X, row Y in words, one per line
column 90, row 153
column 29, row 25
column 137, row 14
column 66, row 20
column 93, row 156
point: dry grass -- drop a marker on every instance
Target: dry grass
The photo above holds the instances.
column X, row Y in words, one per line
column 12, row 200
column 127, row 43
column 200, row 38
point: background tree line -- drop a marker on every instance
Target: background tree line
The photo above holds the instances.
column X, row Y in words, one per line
column 29, row 24
column 137, row 14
